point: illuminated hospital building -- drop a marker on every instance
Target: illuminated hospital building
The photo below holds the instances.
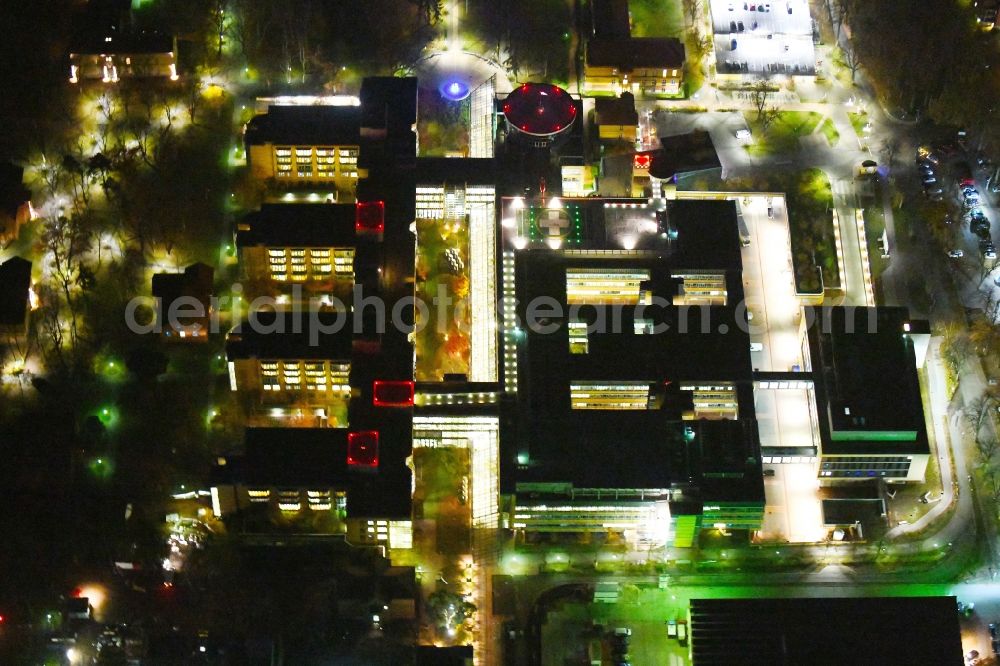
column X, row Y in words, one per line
column 604, row 388
column 634, row 406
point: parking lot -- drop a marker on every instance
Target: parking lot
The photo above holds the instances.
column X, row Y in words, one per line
column 773, row 41
column 565, row 635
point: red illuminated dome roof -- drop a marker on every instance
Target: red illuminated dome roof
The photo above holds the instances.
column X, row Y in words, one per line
column 539, row 109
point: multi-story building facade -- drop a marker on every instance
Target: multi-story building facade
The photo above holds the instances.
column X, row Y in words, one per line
column 857, row 357
column 627, row 421
column 615, row 62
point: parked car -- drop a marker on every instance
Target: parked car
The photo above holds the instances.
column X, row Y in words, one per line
column 732, row 45
column 957, row 254
column 990, row 252
column 732, row 26
column 740, row 27
column 930, row 180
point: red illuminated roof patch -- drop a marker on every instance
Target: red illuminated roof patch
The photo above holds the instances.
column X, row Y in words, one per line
column 392, row 393
column 370, row 217
column 641, row 161
column 362, row 448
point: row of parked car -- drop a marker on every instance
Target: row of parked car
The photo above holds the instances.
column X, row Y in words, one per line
column 979, row 224
column 927, row 164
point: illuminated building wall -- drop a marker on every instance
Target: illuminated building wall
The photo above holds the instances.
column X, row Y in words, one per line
column 295, row 392
column 652, row 81
column 712, row 401
column 482, row 119
column 604, row 286
column 700, row 288
column 604, row 395
column 292, row 165
column 640, row 521
column 112, row 67
column 910, row 467
column 301, row 264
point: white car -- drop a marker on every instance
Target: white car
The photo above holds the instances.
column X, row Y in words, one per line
column 956, row 254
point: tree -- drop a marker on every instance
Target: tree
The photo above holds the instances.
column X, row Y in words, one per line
column 693, row 10
column 430, row 10
column 65, row 241
column 889, row 147
column 850, row 59
column 759, row 92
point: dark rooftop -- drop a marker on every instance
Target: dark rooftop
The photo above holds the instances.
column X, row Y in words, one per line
column 299, row 225
column 306, row 125
column 788, row 632
column 867, row 388
column 616, row 110
column 288, row 334
column 684, row 153
column 634, row 53
column 610, row 18
column 195, row 281
column 317, row 457
column 584, row 447
column 15, row 283
column 430, row 655
column 472, row 171
column 13, row 193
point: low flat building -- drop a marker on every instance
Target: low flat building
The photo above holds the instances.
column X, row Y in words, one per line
column 896, row 631
column 626, row 420
column 296, row 146
column 107, row 46
column 15, row 298
column 292, row 374
column 432, row 655
column 15, row 203
column 869, row 412
column 306, row 145
column 651, row 66
column 391, row 595
column 315, row 247
column 184, row 303
column 358, row 480
column 616, row 118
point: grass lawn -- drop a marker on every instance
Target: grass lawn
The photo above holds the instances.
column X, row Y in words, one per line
column 859, row 120
column 809, row 199
column 782, row 136
column 874, row 226
column 829, row 130
column 657, row 18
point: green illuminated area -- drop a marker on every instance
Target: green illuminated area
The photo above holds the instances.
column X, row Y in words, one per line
column 442, row 343
column 539, row 224
column 873, row 435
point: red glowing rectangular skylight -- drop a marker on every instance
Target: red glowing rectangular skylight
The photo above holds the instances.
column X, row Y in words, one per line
column 392, row 393
column 369, row 217
column 641, row 161
column 362, row 448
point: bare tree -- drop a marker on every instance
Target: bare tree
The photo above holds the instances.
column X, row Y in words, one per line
column 760, row 92
column 889, row 148
column 849, row 56
column 693, row 10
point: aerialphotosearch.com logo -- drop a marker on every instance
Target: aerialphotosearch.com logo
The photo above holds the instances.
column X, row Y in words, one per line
column 318, row 316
